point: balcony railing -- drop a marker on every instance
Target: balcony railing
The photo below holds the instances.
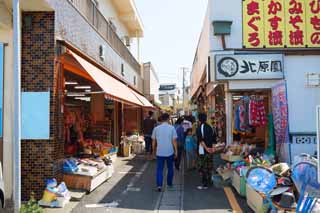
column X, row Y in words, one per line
column 90, row 11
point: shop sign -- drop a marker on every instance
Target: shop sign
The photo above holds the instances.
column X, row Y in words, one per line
column 247, row 67
column 281, row 23
column 168, row 87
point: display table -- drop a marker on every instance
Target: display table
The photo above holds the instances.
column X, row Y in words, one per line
column 88, row 183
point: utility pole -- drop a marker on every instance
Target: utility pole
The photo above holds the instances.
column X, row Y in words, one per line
column 184, row 71
column 17, row 111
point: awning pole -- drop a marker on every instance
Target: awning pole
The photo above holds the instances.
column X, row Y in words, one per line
column 17, row 111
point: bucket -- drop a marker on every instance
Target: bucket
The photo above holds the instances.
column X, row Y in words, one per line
column 49, row 196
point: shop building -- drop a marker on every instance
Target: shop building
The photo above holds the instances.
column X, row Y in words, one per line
column 76, row 65
column 239, row 56
column 151, row 82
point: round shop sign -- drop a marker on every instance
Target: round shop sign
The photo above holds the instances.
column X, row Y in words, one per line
column 228, row 67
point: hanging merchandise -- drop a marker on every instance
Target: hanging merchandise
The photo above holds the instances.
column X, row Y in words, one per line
column 237, row 118
column 257, row 112
column 271, row 144
column 249, row 112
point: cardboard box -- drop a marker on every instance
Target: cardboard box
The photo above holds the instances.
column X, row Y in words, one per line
column 226, row 174
column 254, row 199
column 231, row 158
column 239, row 183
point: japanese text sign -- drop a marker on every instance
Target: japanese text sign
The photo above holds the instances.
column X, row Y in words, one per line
column 244, row 67
column 281, row 23
column 280, row 119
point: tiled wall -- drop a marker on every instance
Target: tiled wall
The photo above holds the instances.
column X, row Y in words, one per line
column 39, row 158
column 73, row 27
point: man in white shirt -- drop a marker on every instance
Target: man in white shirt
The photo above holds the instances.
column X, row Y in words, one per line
column 165, row 148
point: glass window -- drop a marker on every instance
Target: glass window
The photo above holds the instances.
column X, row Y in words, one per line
column 1, row 87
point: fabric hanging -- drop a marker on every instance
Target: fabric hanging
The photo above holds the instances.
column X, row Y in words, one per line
column 249, row 112
column 271, row 144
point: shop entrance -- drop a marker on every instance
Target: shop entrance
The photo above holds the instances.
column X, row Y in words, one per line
column 252, row 119
column 88, row 115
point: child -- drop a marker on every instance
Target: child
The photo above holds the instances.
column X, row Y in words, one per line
column 190, row 147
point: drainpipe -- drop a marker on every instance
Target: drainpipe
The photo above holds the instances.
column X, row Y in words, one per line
column 16, row 99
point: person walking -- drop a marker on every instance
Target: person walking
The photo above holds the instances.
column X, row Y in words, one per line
column 164, row 138
column 206, row 138
column 148, row 125
column 180, row 141
column 190, row 147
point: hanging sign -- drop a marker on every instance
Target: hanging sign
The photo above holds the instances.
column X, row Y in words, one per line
column 246, row 67
column 281, row 23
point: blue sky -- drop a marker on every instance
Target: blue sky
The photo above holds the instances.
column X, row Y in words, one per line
column 172, row 30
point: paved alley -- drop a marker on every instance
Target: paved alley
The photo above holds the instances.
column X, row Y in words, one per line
column 132, row 189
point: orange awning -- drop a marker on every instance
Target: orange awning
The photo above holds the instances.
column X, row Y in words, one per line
column 143, row 99
column 113, row 88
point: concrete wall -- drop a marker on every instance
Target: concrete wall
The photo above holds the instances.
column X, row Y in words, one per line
column 74, row 28
column 166, row 100
column 6, row 35
column 201, row 56
column 302, row 100
column 110, row 13
column 226, row 10
column 151, row 81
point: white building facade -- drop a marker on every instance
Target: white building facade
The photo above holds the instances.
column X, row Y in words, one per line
column 151, row 82
column 233, row 31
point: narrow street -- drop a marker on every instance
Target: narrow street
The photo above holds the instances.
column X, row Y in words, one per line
column 131, row 189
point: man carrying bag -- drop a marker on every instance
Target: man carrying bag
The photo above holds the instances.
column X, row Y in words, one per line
column 206, row 140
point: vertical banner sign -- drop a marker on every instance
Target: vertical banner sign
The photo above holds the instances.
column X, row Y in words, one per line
column 318, row 140
column 295, row 23
column 313, row 22
column 274, row 23
column 252, row 11
column 280, row 119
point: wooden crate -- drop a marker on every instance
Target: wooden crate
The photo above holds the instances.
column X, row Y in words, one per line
column 254, row 199
column 88, row 183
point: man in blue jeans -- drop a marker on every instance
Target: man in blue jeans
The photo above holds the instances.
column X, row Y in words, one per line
column 165, row 148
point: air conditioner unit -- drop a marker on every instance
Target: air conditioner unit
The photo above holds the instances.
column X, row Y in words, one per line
column 102, row 52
